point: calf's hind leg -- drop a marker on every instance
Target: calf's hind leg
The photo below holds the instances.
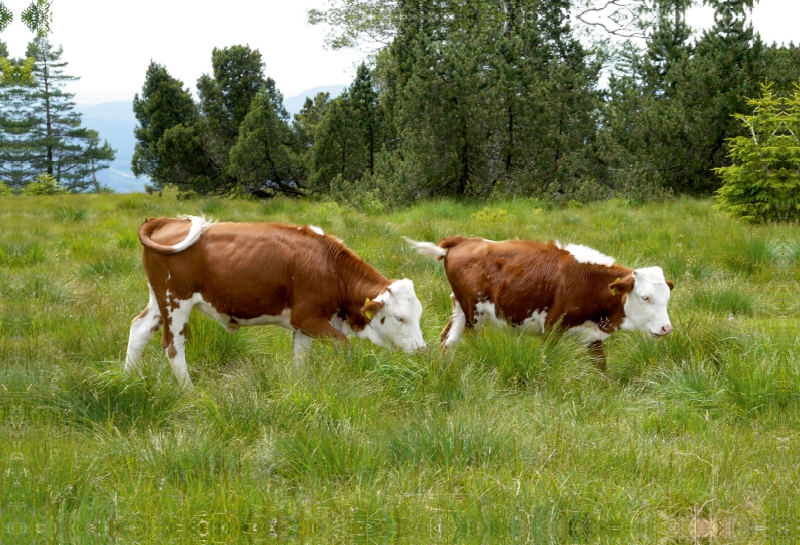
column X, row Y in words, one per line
column 174, row 340
column 454, row 329
column 142, row 329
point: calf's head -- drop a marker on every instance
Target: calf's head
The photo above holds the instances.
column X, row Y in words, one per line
column 645, row 297
column 393, row 318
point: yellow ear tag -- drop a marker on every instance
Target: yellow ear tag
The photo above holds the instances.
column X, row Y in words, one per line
column 614, row 289
column 367, row 313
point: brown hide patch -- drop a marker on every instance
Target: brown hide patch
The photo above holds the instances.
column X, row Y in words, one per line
column 520, row 277
column 157, row 326
column 249, row 270
column 141, row 315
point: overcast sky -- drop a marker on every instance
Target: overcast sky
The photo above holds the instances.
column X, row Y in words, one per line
column 109, row 43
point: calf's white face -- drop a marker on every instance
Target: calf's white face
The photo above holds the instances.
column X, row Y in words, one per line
column 397, row 321
column 646, row 304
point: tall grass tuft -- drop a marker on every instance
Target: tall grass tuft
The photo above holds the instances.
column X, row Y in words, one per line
column 112, row 264
column 113, row 400
column 209, row 345
column 328, row 451
column 21, row 253
column 213, row 206
column 65, row 214
column 529, row 359
column 468, row 436
column 726, row 298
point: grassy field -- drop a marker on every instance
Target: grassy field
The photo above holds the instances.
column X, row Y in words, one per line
column 692, row 438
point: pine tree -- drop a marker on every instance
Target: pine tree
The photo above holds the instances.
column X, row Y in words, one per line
column 365, row 106
column 263, row 160
column 57, row 144
column 225, row 97
column 15, row 124
column 305, row 126
column 763, row 183
column 163, row 104
column 339, row 150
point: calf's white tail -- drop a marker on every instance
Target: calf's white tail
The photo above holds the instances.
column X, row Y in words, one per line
column 427, row 248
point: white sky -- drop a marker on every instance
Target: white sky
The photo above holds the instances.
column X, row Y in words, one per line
column 109, row 43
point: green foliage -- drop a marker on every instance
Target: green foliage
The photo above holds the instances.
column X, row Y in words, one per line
column 163, row 104
column 37, row 17
column 6, row 17
column 17, row 72
column 263, row 160
column 44, row 184
column 5, row 190
column 670, row 106
column 763, row 184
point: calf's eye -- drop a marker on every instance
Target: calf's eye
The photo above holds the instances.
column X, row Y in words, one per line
column 399, row 319
column 645, row 298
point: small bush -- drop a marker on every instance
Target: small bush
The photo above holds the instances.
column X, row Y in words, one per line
column 43, row 184
column 763, row 183
column 490, row 215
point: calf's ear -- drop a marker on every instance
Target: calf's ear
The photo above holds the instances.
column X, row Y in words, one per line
column 670, row 285
column 370, row 308
column 622, row 285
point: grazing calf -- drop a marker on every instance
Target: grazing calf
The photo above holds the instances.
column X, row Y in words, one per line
column 534, row 285
column 243, row 274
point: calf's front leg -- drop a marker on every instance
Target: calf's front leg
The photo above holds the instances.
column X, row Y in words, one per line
column 308, row 329
column 598, row 354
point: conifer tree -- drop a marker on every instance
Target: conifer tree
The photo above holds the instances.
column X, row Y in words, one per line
column 162, row 105
column 763, row 183
column 56, row 143
column 263, row 160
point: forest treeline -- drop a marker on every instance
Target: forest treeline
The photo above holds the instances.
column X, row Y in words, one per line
column 470, row 99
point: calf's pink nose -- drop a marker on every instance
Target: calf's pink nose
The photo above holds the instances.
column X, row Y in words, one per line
column 665, row 329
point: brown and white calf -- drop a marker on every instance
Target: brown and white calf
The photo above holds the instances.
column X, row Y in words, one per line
column 535, row 285
column 243, row 274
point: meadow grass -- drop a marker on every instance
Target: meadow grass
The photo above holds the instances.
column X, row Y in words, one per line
column 510, row 438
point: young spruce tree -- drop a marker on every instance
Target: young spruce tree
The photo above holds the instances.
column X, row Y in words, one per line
column 763, row 183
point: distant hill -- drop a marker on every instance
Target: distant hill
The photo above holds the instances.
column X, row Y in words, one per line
column 294, row 104
column 115, row 122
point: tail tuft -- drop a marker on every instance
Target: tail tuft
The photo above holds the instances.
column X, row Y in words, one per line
column 427, row 248
column 198, row 225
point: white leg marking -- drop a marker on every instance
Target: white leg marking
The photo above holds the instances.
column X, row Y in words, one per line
column 340, row 325
column 459, row 321
column 485, row 314
column 536, row 321
column 176, row 352
column 588, row 332
column 142, row 329
column 301, row 343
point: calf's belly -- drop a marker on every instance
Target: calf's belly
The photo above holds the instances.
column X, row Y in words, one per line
column 232, row 319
